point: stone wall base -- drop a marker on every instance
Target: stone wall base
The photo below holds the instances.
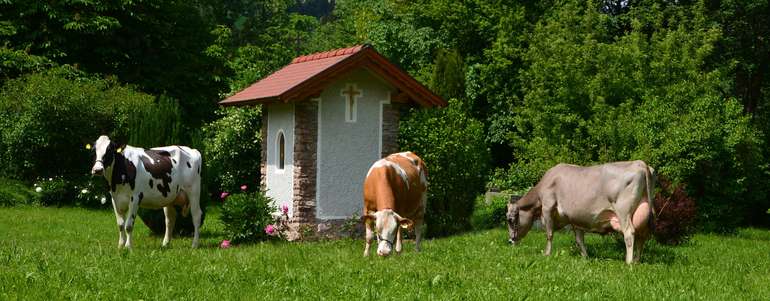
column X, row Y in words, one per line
column 325, row 229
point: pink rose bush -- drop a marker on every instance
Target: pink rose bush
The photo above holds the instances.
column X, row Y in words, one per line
column 271, row 230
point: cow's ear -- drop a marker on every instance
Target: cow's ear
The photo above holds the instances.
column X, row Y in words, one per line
column 405, row 223
column 367, row 218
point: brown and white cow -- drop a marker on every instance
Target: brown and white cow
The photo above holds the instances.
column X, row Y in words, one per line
column 155, row 178
column 395, row 194
column 609, row 197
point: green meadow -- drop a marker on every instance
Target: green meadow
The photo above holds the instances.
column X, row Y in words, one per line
column 71, row 253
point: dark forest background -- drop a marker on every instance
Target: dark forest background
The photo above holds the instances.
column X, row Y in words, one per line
column 682, row 85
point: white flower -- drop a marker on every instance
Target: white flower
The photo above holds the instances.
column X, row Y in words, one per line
column 39, row 189
column 104, row 200
column 35, row 185
column 50, row 179
column 84, row 191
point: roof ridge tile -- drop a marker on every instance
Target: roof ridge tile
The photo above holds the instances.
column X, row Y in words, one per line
column 327, row 54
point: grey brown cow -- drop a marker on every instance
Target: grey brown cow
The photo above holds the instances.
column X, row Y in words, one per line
column 615, row 196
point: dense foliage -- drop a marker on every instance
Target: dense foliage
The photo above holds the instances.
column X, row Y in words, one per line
column 246, row 215
column 490, row 213
column 15, row 193
column 46, row 119
column 675, row 214
column 451, row 143
column 682, row 85
column 232, row 145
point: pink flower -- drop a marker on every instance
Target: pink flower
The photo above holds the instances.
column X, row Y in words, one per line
column 285, row 209
column 225, row 244
column 270, row 229
column 224, row 195
column 244, row 187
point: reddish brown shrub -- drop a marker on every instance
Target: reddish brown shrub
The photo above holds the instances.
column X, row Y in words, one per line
column 676, row 214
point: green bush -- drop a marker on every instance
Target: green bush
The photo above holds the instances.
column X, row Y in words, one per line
column 13, row 193
column 89, row 192
column 46, row 119
column 232, row 146
column 245, row 216
column 157, row 125
column 652, row 94
column 489, row 215
column 55, row 191
column 83, row 191
column 452, row 145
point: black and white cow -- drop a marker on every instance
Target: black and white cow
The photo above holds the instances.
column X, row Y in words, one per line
column 155, row 178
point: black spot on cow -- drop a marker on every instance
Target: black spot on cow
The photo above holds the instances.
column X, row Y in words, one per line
column 158, row 164
column 188, row 164
column 173, row 160
column 199, row 170
column 141, row 197
column 151, row 184
column 121, row 228
column 123, row 170
column 129, row 228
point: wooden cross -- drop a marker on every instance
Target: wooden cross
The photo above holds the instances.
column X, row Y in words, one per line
column 351, row 92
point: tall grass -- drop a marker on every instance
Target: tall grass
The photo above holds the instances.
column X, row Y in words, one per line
column 71, row 253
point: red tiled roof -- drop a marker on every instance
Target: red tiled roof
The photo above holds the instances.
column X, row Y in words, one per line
column 307, row 75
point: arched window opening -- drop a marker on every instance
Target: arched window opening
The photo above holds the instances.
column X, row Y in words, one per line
column 281, row 151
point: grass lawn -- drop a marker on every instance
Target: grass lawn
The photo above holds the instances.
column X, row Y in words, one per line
column 69, row 253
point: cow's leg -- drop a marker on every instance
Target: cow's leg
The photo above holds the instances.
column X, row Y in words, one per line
column 581, row 244
column 170, row 213
column 197, row 213
column 642, row 226
column 628, row 237
column 133, row 207
column 369, row 237
column 120, row 218
column 417, row 236
column 548, row 224
column 638, row 246
column 398, row 240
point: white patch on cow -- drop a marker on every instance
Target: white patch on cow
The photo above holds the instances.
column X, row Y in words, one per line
column 406, row 155
column 385, row 163
column 378, row 164
column 423, row 178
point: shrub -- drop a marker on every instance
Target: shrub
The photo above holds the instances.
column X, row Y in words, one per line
column 491, row 214
column 676, row 214
column 157, row 125
column 89, row 191
column 245, row 216
column 13, row 193
column 55, row 191
column 488, row 215
column 83, row 191
column 46, row 119
column 452, row 145
column 232, row 147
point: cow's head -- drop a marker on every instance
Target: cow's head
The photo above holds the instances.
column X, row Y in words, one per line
column 387, row 225
column 105, row 151
column 520, row 221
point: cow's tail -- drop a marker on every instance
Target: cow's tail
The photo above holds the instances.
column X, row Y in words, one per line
column 650, row 179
